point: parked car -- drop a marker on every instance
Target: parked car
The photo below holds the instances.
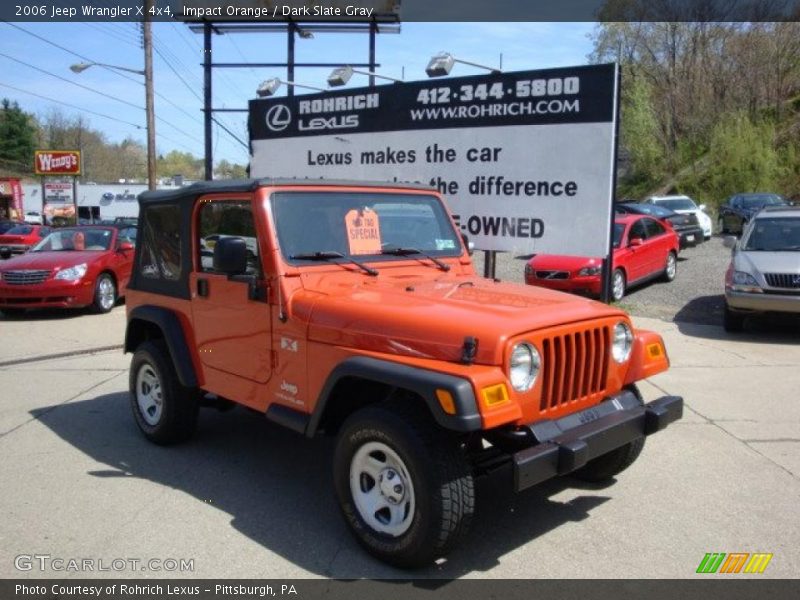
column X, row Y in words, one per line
column 34, row 218
column 737, row 210
column 685, row 225
column 764, row 273
column 5, row 225
column 644, row 249
column 685, row 206
column 19, row 239
column 70, row 268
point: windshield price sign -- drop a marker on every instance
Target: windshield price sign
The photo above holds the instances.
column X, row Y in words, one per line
column 524, row 159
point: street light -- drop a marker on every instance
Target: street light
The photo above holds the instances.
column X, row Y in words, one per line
column 149, row 107
column 270, row 86
column 81, row 67
column 341, row 75
column 441, row 65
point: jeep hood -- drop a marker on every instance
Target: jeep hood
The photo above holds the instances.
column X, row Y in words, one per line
column 430, row 319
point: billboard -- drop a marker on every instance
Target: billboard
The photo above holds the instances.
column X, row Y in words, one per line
column 524, row 159
column 57, row 162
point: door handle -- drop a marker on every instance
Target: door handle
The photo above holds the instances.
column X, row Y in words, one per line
column 202, row 287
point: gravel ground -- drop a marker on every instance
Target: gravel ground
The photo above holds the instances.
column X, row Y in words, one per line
column 695, row 296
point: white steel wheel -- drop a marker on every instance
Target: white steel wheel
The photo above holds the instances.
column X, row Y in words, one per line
column 382, row 490
column 149, row 395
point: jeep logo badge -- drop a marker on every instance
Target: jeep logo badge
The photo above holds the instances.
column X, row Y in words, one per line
column 278, row 117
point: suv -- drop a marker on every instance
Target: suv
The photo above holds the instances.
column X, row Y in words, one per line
column 685, row 206
column 764, row 272
column 353, row 310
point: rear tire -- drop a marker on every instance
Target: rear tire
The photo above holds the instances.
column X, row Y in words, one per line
column 164, row 410
column 732, row 321
column 403, row 484
column 671, row 268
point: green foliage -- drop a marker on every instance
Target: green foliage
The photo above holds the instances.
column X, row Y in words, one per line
column 17, row 138
column 640, row 134
column 743, row 157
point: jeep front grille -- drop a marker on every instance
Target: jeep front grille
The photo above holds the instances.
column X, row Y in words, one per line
column 27, row 277
column 574, row 366
column 790, row 281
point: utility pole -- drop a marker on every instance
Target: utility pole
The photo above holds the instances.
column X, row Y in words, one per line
column 148, row 91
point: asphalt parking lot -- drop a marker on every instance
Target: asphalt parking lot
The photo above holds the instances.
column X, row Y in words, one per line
column 246, row 498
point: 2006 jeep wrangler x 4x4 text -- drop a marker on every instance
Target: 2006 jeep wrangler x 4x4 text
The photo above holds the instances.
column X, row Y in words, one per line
column 353, row 310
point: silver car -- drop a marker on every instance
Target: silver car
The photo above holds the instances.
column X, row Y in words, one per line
column 764, row 274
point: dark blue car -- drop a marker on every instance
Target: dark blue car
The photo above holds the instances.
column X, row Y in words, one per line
column 737, row 210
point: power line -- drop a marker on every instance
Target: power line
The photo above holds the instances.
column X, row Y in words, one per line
column 11, row 87
column 230, row 133
column 75, row 83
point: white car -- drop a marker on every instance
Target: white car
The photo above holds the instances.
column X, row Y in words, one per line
column 34, row 218
column 686, row 206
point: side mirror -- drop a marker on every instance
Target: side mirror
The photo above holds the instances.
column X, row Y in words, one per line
column 702, row 207
column 470, row 246
column 125, row 246
column 230, row 256
column 636, row 242
column 729, row 241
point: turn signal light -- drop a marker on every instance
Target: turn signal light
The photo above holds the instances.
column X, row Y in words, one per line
column 446, row 401
column 495, row 394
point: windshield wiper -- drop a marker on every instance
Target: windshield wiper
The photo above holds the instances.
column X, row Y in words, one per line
column 331, row 254
column 398, row 251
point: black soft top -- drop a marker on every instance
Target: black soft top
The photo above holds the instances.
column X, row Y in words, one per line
column 237, row 186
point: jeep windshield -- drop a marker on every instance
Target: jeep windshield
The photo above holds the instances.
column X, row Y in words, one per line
column 342, row 226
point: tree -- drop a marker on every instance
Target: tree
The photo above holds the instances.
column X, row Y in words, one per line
column 17, row 137
column 227, row 170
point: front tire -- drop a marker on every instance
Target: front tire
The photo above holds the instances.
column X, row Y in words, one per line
column 403, row 484
column 732, row 321
column 618, row 285
column 164, row 410
column 105, row 293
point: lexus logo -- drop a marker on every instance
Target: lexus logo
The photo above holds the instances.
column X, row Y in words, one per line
column 278, row 117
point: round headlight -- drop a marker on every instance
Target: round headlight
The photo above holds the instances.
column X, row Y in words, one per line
column 622, row 343
column 525, row 364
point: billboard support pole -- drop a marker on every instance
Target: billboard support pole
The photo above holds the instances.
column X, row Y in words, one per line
column 207, row 116
column 489, row 263
column 606, row 294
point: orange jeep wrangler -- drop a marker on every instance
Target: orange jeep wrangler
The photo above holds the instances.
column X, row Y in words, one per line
column 353, row 310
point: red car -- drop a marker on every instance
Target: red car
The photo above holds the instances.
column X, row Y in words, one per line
column 644, row 248
column 70, row 268
column 20, row 238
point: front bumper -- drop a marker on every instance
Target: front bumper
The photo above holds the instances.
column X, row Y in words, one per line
column 584, row 286
column 763, row 302
column 564, row 445
column 50, row 294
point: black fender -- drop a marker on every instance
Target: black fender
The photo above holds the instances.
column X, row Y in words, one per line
column 169, row 323
column 420, row 381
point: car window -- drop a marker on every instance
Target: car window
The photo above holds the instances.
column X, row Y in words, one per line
column 653, row 228
column 637, row 230
column 619, row 229
column 677, row 203
column 361, row 223
column 774, row 235
column 127, row 234
column 44, row 232
column 160, row 257
column 219, row 219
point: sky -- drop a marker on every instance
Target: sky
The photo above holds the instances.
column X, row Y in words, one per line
column 178, row 73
